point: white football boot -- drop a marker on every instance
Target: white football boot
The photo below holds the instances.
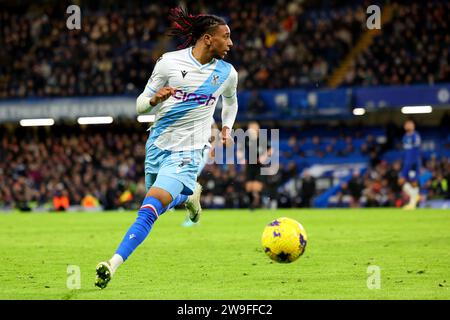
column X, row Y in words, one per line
column 193, row 204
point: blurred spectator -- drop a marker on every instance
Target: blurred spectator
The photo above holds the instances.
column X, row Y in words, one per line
column 439, row 188
column 355, row 188
column 253, row 152
column 393, row 176
column 61, row 201
column 307, row 190
column 89, row 202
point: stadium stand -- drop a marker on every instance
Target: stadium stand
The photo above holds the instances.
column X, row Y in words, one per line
column 413, row 48
column 286, row 45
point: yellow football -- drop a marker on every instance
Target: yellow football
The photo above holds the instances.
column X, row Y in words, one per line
column 284, row 240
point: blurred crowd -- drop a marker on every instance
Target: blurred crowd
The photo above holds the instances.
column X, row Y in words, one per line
column 226, row 186
column 72, row 169
column 100, row 168
column 280, row 44
column 109, row 55
column 379, row 186
column 414, row 48
column 95, row 168
column 286, row 45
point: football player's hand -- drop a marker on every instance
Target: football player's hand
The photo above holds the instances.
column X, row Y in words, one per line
column 226, row 137
column 162, row 95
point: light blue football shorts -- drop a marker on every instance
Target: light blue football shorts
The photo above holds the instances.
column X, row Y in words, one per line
column 179, row 165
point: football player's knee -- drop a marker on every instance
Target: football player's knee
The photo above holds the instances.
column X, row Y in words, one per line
column 160, row 194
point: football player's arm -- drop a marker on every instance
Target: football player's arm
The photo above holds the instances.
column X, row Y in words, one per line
column 155, row 91
column 229, row 108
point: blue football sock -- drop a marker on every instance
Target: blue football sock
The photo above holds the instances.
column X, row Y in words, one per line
column 178, row 200
column 150, row 210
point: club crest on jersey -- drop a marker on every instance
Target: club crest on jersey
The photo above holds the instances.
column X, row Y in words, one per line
column 215, row 80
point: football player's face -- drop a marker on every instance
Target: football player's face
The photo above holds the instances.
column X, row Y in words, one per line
column 220, row 41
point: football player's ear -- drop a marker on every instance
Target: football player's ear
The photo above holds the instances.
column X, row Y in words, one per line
column 207, row 39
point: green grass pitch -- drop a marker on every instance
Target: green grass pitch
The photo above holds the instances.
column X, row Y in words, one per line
column 221, row 258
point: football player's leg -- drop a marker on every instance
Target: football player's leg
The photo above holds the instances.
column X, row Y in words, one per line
column 415, row 195
column 150, row 179
column 193, row 205
column 411, row 188
column 176, row 179
column 150, row 210
column 174, row 187
column 192, row 171
column 157, row 156
column 160, row 195
column 179, row 199
column 184, row 167
column 404, row 174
